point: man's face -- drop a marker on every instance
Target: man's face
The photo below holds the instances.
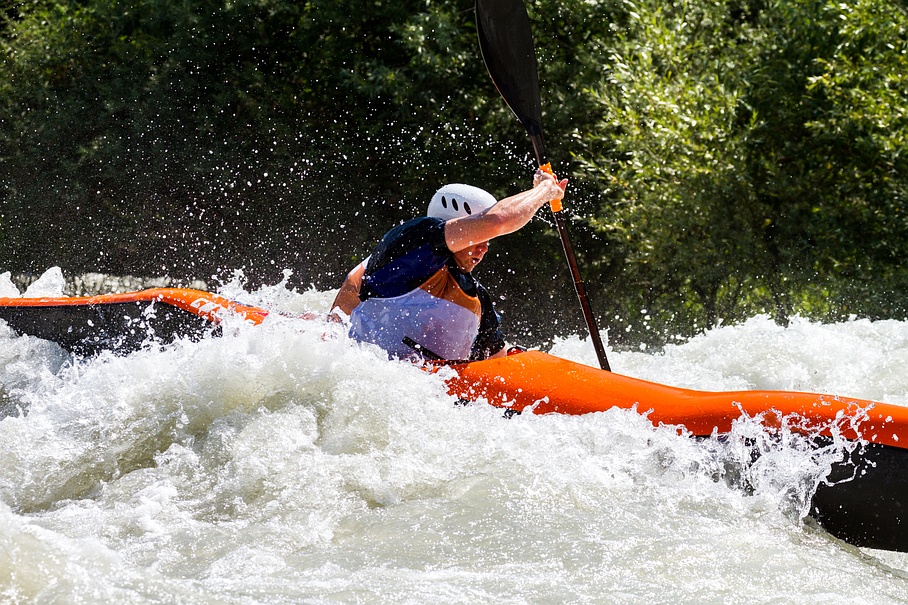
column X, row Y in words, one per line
column 469, row 257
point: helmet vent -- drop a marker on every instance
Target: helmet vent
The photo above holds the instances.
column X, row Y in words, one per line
column 457, row 200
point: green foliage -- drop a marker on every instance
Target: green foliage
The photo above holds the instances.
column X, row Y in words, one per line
column 158, row 126
column 727, row 157
column 821, row 160
column 755, row 154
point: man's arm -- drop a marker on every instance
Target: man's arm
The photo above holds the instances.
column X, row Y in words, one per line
column 348, row 296
column 507, row 216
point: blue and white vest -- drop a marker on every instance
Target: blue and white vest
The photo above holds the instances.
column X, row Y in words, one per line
column 437, row 315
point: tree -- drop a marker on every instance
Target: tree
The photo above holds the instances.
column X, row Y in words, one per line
column 726, row 157
column 749, row 148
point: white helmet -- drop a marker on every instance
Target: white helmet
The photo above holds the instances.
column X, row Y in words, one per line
column 455, row 201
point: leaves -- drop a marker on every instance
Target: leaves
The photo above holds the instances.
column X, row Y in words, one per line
column 726, row 157
column 753, row 149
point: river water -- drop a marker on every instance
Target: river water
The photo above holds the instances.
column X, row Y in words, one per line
column 282, row 464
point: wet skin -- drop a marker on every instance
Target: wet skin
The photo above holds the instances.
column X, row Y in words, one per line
column 469, row 257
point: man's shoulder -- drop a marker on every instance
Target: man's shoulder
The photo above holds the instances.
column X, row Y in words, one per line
column 413, row 234
column 416, row 225
column 421, row 240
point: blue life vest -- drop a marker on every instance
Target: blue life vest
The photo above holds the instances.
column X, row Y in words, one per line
column 437, row 315
column 413, row 288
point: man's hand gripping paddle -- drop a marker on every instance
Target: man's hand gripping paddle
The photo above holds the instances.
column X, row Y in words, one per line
column 506, row 43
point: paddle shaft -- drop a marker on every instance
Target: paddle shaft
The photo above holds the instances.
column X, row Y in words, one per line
column 581, row 291
column 507, row 48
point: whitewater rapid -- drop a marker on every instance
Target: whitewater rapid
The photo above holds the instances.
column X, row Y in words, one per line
column 282, row 464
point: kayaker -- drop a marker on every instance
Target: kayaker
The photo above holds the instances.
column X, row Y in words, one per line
column 416, row 291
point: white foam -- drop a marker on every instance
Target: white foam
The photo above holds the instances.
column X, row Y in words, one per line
column 7, row 288
column 50, row 284
column 282, row 463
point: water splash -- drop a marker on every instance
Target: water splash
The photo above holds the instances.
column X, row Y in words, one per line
column 281, row 463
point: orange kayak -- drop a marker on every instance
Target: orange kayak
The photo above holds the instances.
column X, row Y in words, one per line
column 863, row 501
column 544, row 384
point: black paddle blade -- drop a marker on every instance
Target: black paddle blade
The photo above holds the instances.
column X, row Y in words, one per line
column 507, row 48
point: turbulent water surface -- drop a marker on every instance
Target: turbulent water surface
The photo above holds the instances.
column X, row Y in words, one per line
column 282, row 464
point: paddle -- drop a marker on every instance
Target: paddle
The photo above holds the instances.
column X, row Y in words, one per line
column 507, row 48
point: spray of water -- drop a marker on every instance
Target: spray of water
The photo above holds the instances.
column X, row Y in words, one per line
column 282, row 463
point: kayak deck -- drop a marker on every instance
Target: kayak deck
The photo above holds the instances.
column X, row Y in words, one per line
column 544, row 384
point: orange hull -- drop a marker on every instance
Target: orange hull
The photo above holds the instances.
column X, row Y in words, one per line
column 203, row 304
column 537, row 382
column 864, row 499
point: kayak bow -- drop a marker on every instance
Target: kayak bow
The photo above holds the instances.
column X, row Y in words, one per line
column 87, row 325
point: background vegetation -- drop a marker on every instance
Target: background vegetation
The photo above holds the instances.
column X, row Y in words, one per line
column 727, row 158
